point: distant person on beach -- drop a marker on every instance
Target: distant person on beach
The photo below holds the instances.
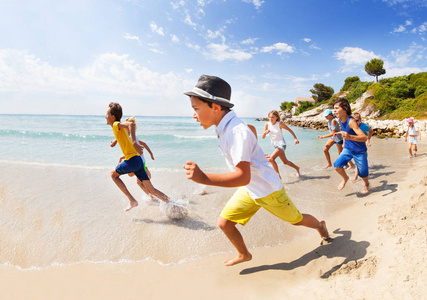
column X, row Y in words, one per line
column 133, row 162
column 274, row 130
column 143, row 146
column 354, row 145
column 367, row 131
column 259, row 185
column 333, row 127
column 413, row 133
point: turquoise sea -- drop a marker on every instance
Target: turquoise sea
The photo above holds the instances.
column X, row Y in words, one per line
column 85, row 141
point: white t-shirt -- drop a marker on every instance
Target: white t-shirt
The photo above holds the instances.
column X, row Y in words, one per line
column 412, row 130
column 238, row 143
column 276, row 135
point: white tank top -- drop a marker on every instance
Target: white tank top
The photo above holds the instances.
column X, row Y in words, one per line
column 275, row 134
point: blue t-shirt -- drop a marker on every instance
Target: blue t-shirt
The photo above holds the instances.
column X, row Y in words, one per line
column 352, row 146
column 365, row 128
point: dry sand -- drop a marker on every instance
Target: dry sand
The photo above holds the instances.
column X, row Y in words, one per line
column 379, row 252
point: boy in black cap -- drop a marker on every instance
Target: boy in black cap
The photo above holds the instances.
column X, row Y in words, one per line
column 259, row 184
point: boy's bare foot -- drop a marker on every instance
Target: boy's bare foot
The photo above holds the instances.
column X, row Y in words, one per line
column 342, row 184
column 298, row 174
column 365, row 189
column 132, row 205
column 328, row 166
column 239, row 259
column 323, row 231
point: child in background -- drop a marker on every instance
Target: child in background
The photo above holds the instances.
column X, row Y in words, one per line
column 259, row 185
column 367, row 131
column 133, row 162
column 334, row 139
column 413, row 133
column 354, row 145
column 144, row 146
column 274, row 130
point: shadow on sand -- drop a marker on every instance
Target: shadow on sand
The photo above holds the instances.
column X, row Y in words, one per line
column 342, row 246
column 185, row 223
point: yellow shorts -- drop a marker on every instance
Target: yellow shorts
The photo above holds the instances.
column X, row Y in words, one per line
column 241, row 207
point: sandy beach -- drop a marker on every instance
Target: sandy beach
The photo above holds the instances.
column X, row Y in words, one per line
column 378, row 252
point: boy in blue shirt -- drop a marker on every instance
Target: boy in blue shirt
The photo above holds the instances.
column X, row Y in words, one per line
column 367, row 131
column 259, row 185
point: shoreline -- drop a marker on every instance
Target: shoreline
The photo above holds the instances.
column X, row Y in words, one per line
column 378, row 252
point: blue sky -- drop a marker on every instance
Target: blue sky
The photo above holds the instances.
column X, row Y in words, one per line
column 76, row 56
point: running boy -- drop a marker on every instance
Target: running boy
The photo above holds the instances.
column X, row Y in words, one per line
column 133, row 162
column 367, row 131
column 354, row 145
column 259, row 184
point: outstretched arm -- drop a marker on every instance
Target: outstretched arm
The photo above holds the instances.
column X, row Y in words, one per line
column 148, row 149
column 284, row 126
column 240, row 177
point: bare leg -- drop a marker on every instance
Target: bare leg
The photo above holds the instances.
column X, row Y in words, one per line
column 235, row 237
column 116, row 178
column 272, row 160
column 339, row 147
column 328, row 145
column 365, row 189
column 343, row 174
column 142, row 186
column 410, row 150
column 155, row 192
column 355, row 175
column 282, row 156
column 312, row 222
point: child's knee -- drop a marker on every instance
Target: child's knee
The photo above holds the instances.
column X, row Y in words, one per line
column 114, row 174
column 224, row 224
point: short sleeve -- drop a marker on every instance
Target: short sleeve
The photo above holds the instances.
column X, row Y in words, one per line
column 241, row 145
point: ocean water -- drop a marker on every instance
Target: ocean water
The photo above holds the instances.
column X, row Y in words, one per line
column 59, row 205
column 85, row 141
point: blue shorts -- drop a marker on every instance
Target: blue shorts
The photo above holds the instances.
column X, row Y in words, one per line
column 133, row 165
column 281, row 147
column 361, row 160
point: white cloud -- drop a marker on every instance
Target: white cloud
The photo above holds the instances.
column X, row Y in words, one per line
column 257, row 3
column 37, row 86
column 307, row 40
column 216, row 34
column 188, row 21
column 188, row 71
column 156, row 29
column 249, row 41
column 354, row 57
column 279, row 48
column 175, row 39
column 399, row 29
column 221, row 52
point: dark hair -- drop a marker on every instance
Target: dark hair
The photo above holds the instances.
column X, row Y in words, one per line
column 227, row 109
column 116, row 110
column 345, row 105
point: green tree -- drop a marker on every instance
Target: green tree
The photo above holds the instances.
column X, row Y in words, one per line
column 374, row 67
column 286, row 105
column 348, row 82
column 321, row 92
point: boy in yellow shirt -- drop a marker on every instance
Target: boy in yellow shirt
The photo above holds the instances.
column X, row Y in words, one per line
column 133, row 162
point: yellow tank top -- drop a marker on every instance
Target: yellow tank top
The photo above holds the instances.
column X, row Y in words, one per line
column 124, row 141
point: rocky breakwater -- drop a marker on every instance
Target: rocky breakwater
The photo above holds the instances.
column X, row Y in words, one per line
column 382, row 128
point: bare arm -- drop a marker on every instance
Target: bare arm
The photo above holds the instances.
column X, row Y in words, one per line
column 330, row 134
column 359, row 137
column 113, row 143
column 130, row 126
column 148, row 149
column 284, row 126
column 370, row 133
column 266, row 131
column 240, row 177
